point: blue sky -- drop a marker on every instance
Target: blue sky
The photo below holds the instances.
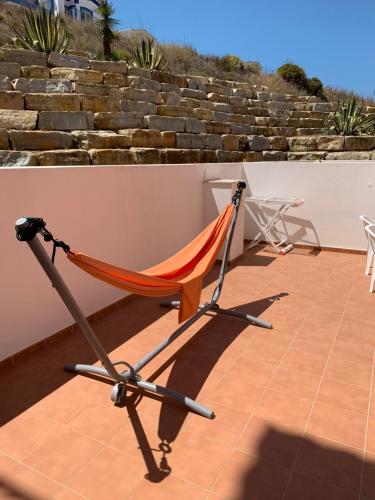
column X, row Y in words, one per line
column 330, row 39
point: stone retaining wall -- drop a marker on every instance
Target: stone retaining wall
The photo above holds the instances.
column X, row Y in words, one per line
column 68, row 110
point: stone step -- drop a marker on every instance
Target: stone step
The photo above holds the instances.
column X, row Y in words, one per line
column 52, row 102
column 11, row 100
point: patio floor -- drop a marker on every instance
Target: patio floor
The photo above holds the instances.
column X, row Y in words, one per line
column 294, row 413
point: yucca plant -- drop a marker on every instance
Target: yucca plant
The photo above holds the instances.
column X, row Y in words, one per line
column 43, row 31
column 349, row 119
column 107, row 24
column 147, row 55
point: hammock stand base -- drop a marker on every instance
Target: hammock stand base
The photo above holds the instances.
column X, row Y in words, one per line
column 131, row 375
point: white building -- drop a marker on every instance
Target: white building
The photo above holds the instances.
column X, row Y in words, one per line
column 81, row 10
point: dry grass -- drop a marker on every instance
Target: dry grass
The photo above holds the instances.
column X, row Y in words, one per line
column 181, row 59
column 335, row 94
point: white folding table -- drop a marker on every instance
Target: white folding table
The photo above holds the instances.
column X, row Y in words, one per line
column 266, row 223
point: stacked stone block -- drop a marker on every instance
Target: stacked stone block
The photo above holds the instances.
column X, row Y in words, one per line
column 68, row 110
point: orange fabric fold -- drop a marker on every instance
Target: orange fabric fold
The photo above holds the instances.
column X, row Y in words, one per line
column 182, row 273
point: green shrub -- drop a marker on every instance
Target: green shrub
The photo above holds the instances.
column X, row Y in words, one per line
column 349, row 119
column 315, row 86
column 231, row 63
column 294, row 74
column 43, row 31
column 253, row 67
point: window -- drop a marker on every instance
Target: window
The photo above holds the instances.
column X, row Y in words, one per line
column 71, row 11
column 86, row 14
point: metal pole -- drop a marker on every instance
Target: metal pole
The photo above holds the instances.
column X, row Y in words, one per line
column 68, row 299
column 181, row 398
column 224, row 264
column 151, row 355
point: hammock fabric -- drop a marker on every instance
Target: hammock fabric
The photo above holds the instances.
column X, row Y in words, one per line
column 182, row 273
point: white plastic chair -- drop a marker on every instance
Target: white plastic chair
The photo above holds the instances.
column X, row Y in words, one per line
column 370, row 251
column 370, row 231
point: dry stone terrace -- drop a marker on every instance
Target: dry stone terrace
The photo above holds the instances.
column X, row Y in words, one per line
column 68, row 109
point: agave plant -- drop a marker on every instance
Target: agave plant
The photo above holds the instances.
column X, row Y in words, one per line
column 43, row 31
column 349, row 119
column 147, row 55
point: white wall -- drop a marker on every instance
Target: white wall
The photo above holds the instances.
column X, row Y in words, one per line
column 335, row 194
column 136, row 216
column 131, row 216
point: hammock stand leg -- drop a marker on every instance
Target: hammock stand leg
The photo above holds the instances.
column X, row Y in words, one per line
column 225, row 312
column 130, row 376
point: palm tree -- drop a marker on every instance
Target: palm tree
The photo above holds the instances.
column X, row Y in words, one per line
column 107, row 24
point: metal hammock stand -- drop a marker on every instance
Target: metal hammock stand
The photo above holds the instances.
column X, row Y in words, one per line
column 28, row 229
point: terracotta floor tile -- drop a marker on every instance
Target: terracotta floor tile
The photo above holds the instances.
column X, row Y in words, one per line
column 236, row 393
column 170, row 487
column 370, row 443
column 355, row 331
column 295, row 383
column 336, row 464
column 270, row 442
column 63, row 454
column 359, row 353
column 253, row 371
column 306, row 343
column 344, row 395
column 347, row 371
column 6, row 463
column 304, row 362
column 284, row 409
column 335, row 423
column 368, row 481
column 63, row 404
column 196, row 459
column 66, row 494
column 307, row 488
column 247, row 477
column 224, row 429
column 26, row 483
column 21, row 435
column 372, row 402
column 263, row 351
column 101, row 420
column 110, row 474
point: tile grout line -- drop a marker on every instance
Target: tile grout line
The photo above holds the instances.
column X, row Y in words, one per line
column 366, row 432
column 268, row 385
column 320, row 383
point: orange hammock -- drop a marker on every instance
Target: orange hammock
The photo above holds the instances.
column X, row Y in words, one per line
column 182, row 273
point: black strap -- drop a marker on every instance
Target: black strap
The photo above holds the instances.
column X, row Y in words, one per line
column 56, row 243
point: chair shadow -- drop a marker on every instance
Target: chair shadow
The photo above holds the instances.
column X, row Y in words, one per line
column 298, row 467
